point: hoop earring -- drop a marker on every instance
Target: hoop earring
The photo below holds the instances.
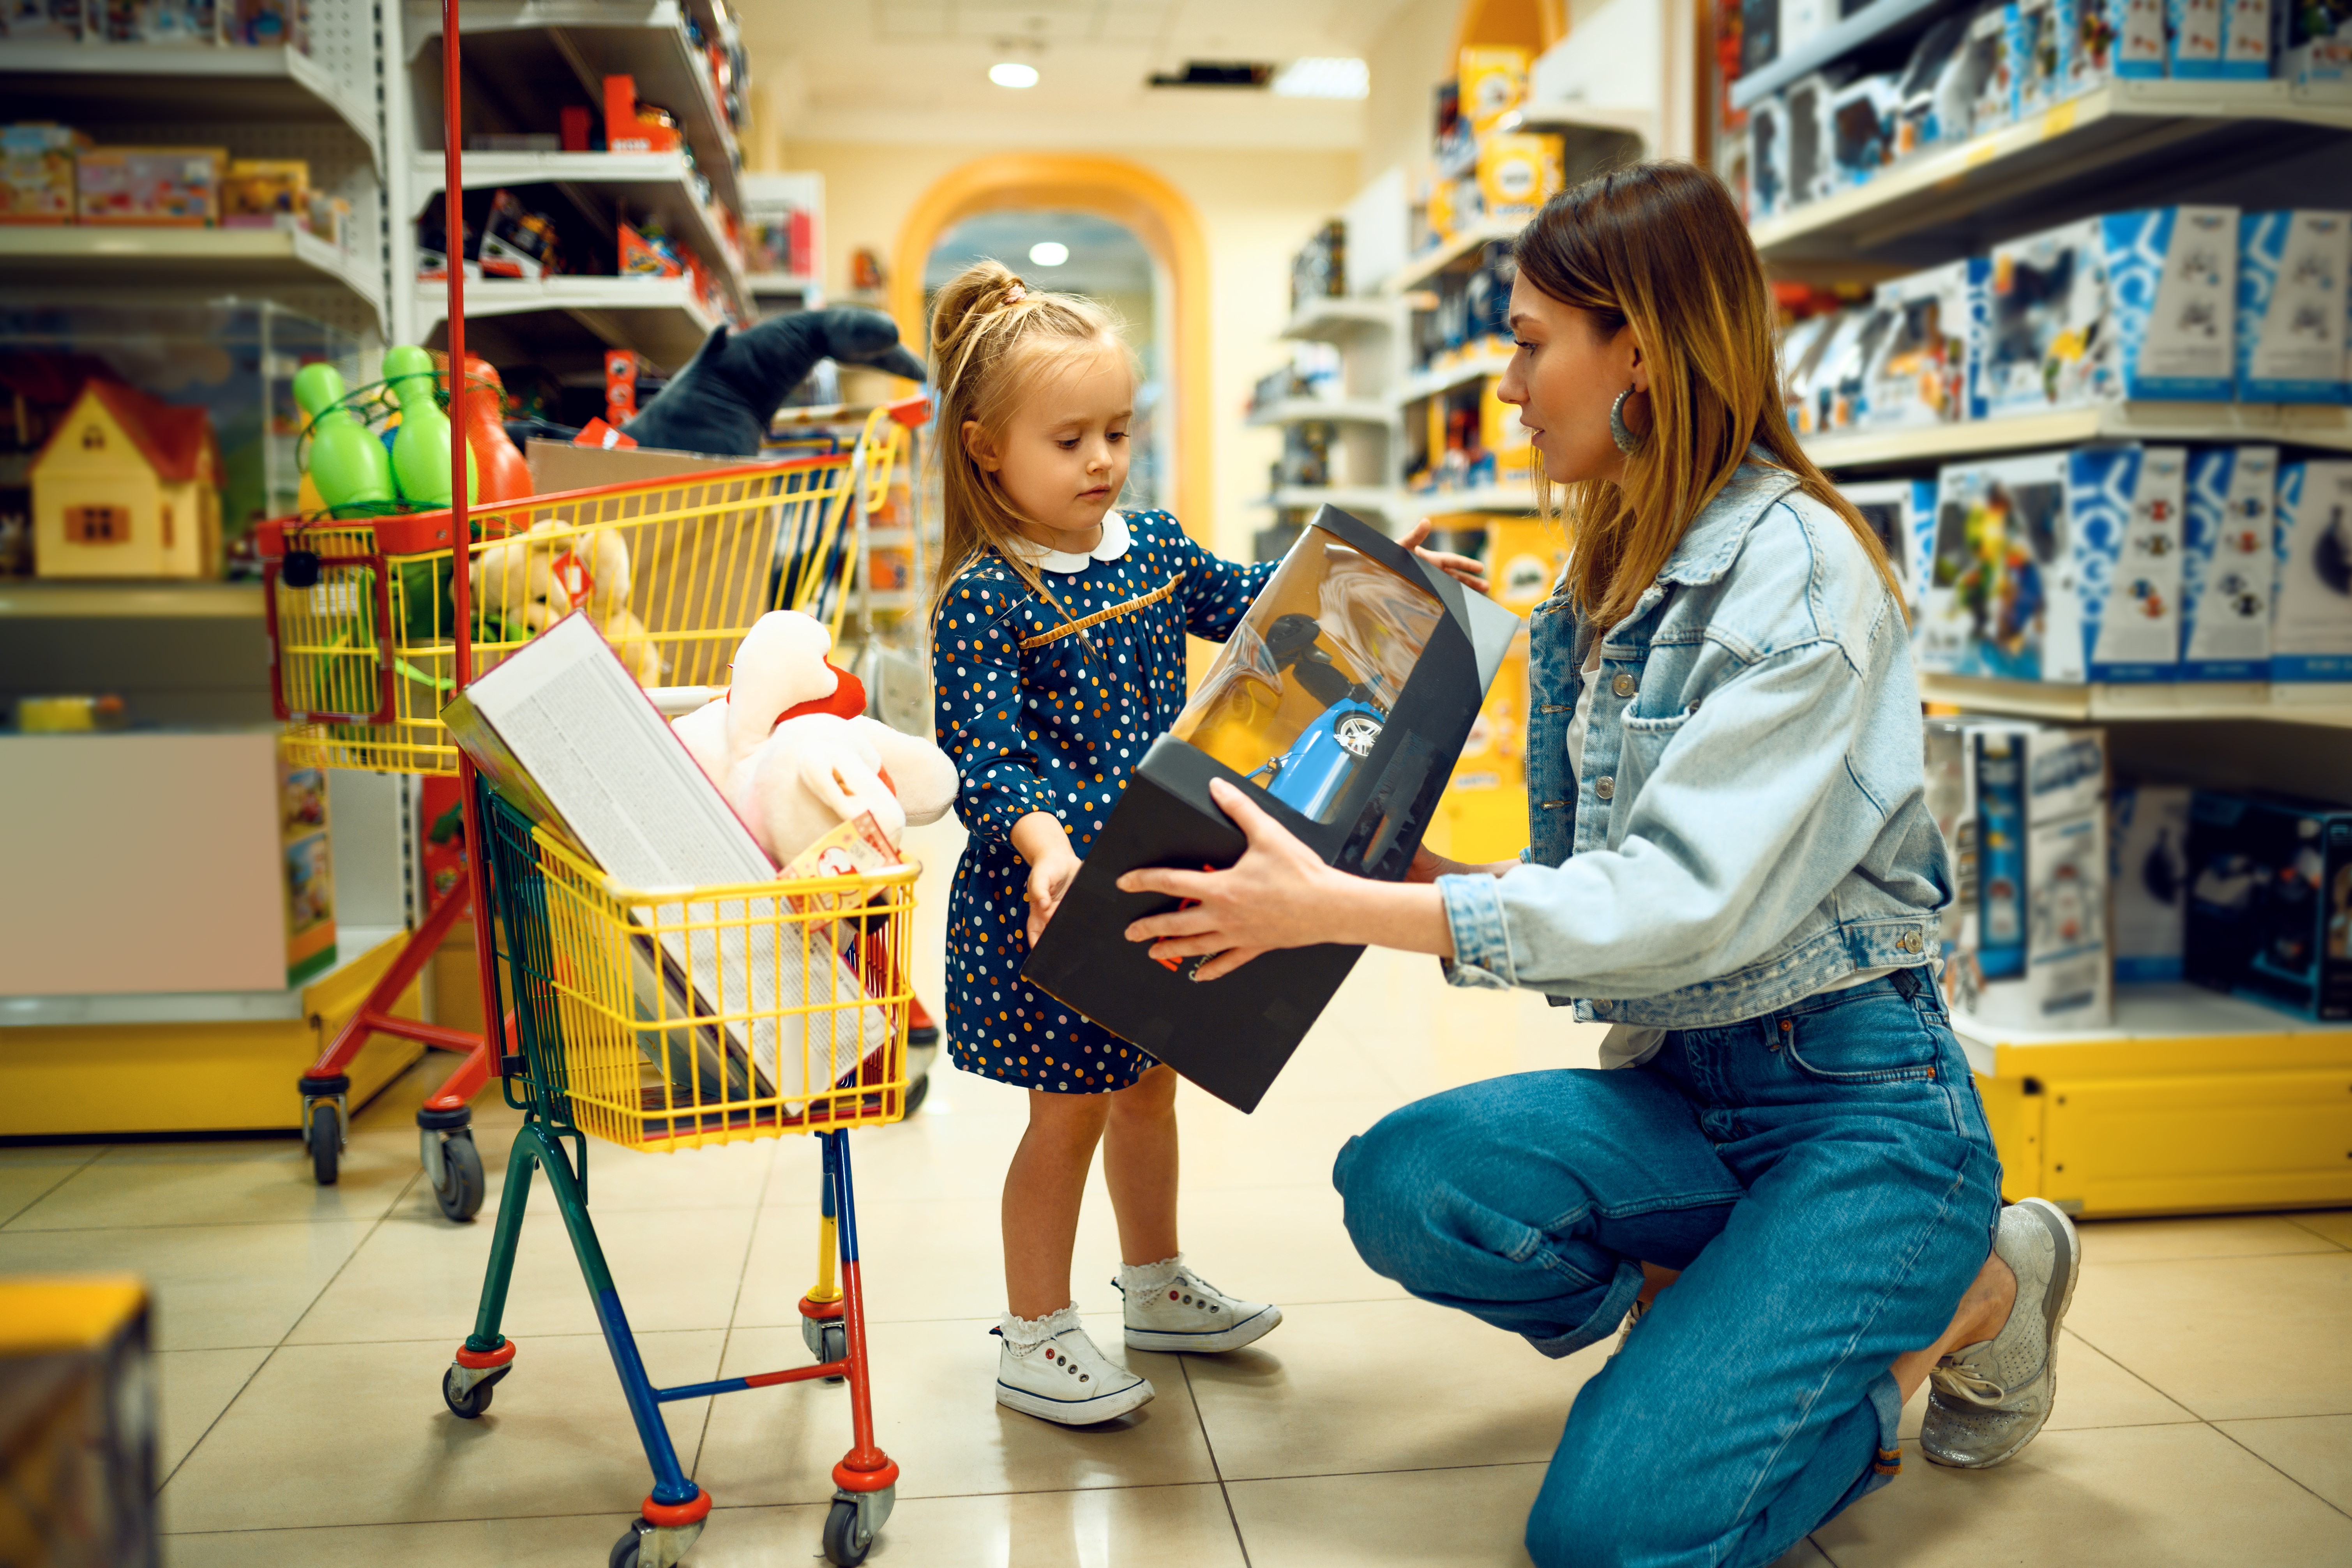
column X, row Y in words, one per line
column 1626, row 440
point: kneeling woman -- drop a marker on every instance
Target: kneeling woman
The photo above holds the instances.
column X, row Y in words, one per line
column 1732, row 864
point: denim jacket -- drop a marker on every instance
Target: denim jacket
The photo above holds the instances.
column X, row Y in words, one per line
column 1752, row 825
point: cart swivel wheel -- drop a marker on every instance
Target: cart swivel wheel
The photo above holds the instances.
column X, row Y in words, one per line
column 322, row 1131
column 847, row 1537
column 459, row 1190
column 647, row 1546
column 625, row 1551
column 827, row 1340
column 469, row 1402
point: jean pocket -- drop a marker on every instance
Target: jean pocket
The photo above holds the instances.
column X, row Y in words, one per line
column 1875, row 1039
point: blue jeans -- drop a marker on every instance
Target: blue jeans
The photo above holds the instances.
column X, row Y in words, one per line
column 1823, row 1177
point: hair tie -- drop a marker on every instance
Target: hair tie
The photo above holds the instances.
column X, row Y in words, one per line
column 1014, row 295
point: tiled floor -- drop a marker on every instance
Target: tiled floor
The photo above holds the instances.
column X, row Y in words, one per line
column 2206, row 1417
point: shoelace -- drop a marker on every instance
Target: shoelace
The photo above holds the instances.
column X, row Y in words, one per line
column 1962, row 1381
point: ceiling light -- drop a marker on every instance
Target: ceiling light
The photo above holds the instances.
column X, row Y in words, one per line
column 1013, row 73
column 1324, row 79
column 1049, row 252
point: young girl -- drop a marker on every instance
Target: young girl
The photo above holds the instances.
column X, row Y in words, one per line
column 1058, row 658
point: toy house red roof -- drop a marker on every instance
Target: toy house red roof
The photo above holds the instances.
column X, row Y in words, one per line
column 174, row 439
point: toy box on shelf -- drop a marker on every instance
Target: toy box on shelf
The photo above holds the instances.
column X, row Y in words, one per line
column 1482, row 816
column 2269, row 901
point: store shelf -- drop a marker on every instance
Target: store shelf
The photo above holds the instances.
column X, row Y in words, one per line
column 352, row 943
column 659, row 316
column 2100, row 147
column 166, row 258
column 1328, row 320
column 543, row 54
column 2327, row 706
column 1346, row 498
column 782, row 283
column 660, row 184
column 2212, row 1025
column 1485, row 497
column 140, row 83
column 1447, row 377
column 1335, row 410
column 1452, row 253
column 1560, row 115
column 137, row 601
column 1872, row 22
column 2304, row 425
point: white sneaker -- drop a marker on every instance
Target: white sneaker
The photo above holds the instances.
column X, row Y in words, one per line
column 1049, row 1368
column 1169, row 1308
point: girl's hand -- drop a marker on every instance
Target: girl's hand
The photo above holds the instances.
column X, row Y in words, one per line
column 1276, row 895
column 1461, row 568
column 1049, row 879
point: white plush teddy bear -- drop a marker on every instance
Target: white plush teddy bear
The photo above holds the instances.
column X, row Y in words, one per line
column 791, row 749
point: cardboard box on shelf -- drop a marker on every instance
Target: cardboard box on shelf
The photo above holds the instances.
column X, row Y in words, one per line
column 177, row 188
column 2193, row 28
column 36, row 172
column 2228, row 579
column 1493, row 80
column 1901, row 513
column 256, row 192
column 2318, row 55
column 2041, row 956
column 1928, row 368
column 2246, row 37
column 632, row 127
column 2294, row 275
column 2123, row 527
column 2000, row 598
column 1339, row 704
column 2269, row 901
column 1518, row 171
column 308, row 864
column 2311, row 617
column 2148, row 825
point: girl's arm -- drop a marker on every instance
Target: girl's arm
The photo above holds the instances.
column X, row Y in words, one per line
column 976, row 673
column 1216, row 591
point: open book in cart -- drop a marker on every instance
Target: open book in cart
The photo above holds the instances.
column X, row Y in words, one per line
column 721, row 985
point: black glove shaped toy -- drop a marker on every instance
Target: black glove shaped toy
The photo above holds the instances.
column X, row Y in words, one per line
column 721, row 404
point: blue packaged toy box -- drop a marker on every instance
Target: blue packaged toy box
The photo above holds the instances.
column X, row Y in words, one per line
column 2124, row 508
column 2295, row 307
column 2311, row 617
column 2226, row 570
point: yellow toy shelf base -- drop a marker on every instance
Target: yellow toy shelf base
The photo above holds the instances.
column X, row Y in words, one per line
column 101, row 1079
column 2192, row 1102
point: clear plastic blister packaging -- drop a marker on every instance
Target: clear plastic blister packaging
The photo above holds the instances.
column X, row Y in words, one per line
column 1298, row 697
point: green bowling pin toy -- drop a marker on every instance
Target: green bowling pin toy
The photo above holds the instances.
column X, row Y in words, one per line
column 420, row 451
column 348, row 466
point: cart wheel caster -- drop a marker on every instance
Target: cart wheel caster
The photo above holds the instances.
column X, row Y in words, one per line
column 915, row 1093
column 322, row 1130
column 827, row 1340
column 849, row 1531
column 468, row 1400
column 459, row 1190
column 647, row 1545
column 625, row 1551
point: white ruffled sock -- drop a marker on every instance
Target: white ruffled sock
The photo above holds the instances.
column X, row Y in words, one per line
column 1141, row 1281
column 1025, row 1334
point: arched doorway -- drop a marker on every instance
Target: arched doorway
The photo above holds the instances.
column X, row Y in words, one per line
column 1159, row 216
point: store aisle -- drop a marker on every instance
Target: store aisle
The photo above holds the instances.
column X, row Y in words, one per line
column 2206, row 1414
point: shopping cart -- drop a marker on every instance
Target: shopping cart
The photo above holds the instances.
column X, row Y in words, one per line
column 671, row 1019
column 368, row 641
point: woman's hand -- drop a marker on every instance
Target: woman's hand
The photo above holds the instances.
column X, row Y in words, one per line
column 1276, row 895
column 1053, row 867
column 1461, row 568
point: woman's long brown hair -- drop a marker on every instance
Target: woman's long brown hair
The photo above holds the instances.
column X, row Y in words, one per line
column 1662, row 246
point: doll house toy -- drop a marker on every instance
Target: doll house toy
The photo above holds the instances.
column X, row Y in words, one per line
column 128, row 486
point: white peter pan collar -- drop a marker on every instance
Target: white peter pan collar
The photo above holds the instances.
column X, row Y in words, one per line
column 1109, row 547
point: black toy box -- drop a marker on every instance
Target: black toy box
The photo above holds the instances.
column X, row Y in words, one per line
column 2269, row 901
column 1339, row 703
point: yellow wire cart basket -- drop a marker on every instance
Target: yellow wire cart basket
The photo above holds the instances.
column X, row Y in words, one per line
column 671, row 1018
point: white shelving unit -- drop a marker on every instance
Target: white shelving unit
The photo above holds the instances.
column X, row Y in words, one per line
column 657, row 316
column 277, row 83
column 2330, row 706
column 1452, row 253
column 222, row 260
column 1330, row 410
column 2307, row 425
column 1446, row 376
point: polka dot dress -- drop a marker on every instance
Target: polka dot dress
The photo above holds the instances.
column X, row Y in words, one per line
column 1040, row 722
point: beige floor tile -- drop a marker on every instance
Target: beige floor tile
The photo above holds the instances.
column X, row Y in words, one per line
column 1322, row 1395
column 2092, row 1391
column 29, row 1174
column 419, row 1276
column 1470, row 1517
column 2227, row 1337
column 2315, row 1450
column 2126, row 1497
column 358, row 1435
column 215, row 1285
column 193, row 1387
column 201, row 1184
column 2336, row 1224
column 2229, row 1235
column 1139, row 1527
column 725, row 1175
column 935, row 1413
column 942, row 1151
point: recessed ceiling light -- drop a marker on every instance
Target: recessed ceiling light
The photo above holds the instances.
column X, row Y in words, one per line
column 1320, row 78
column 1012, row 73
column 1049, row 252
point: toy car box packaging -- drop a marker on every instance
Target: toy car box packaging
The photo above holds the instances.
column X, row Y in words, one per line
column 1768, row 159
column 1992, row 71
column 2311, row 614
column 153, row 186
column 2148, row 826
column 1862, row 117
column 2040, row 45
column 2318, row 54
column 1339, row 704
column 1811, row 136
column 2194, row 30
column 36, row 174
column 2124, row 507
column 257, row 192
column 2227, row 576
column 2294, row 275
column 1928, row 114
column 2000, row 598
column 2042, row 958
column 1928, row 368
column 2091, row 55
column 1902, row 512
column 1837, row 383
column 2172, row 286
column 2269, row 901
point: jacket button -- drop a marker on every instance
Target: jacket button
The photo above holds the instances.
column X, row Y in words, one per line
column 1624, row 685
column 1605, row 788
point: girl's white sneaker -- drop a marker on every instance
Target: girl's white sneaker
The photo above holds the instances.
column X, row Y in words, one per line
column 1169, row 1308
column 1049, row 1368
